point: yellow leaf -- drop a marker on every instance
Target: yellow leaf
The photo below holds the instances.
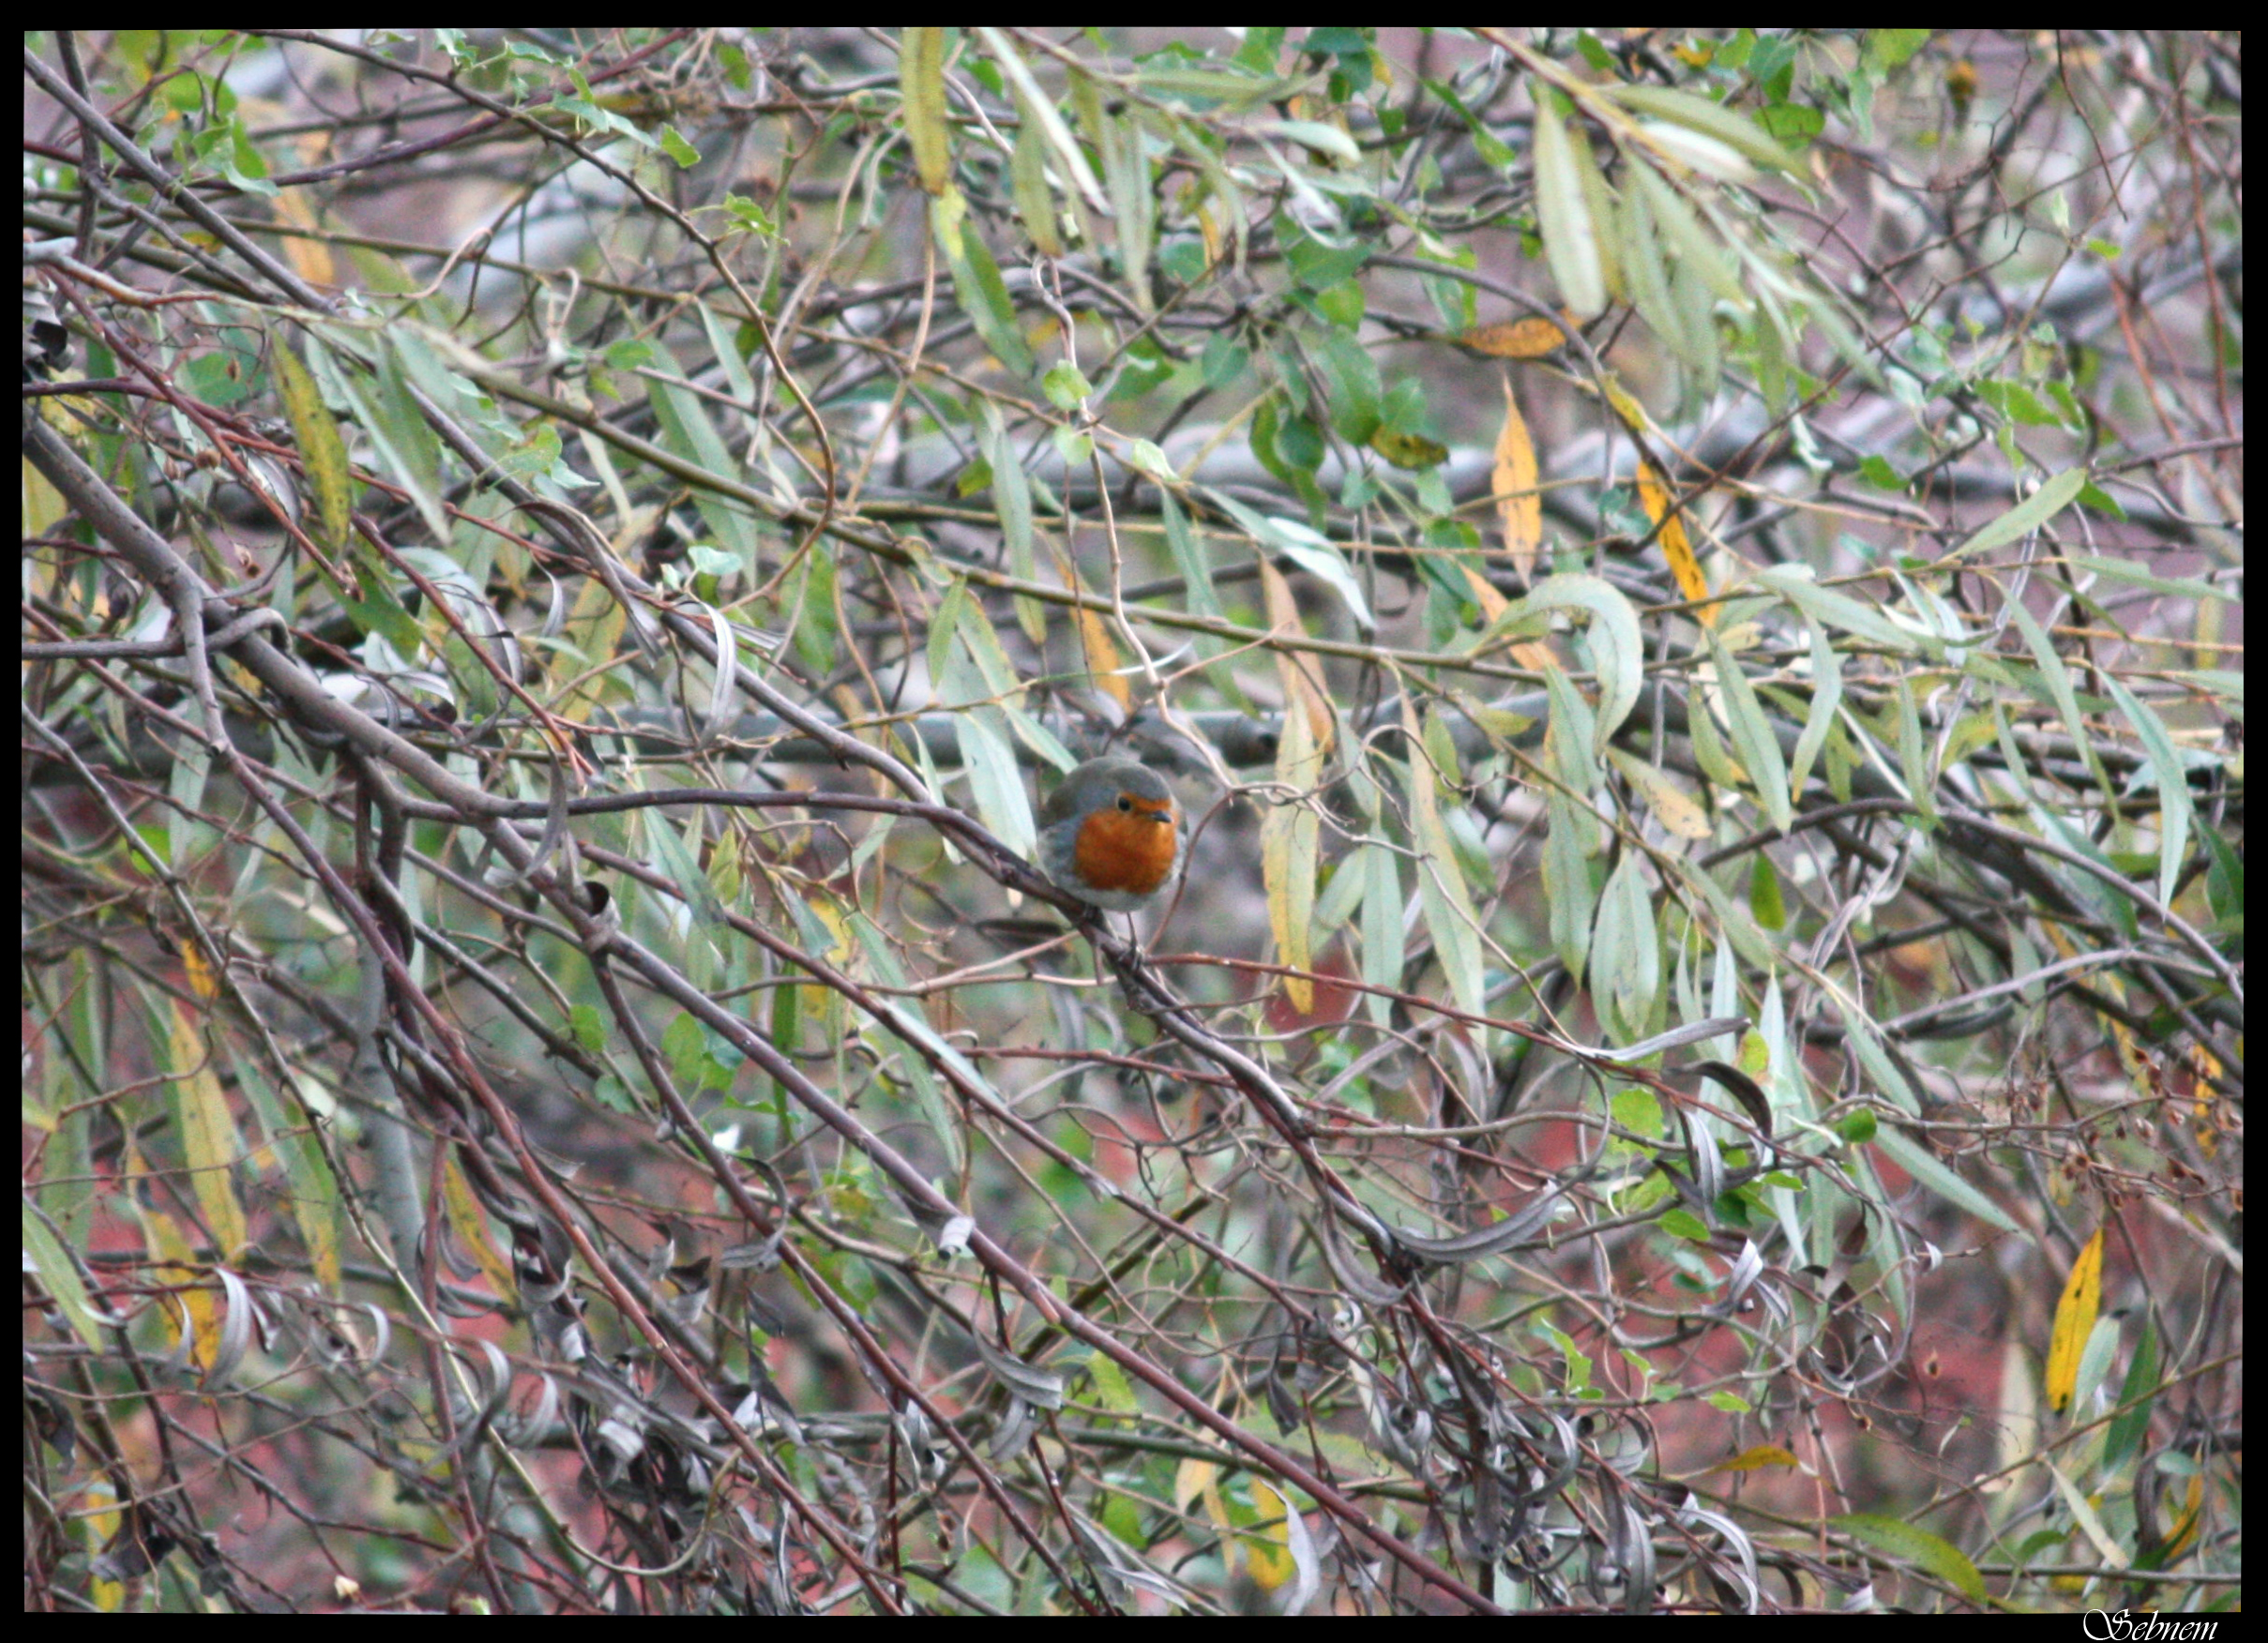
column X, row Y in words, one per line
column 1412, row 451
column 203, row 982
column 322, row 452
column 1529, row 339
column 1492, row 604
column 2074, row 1322
column 470, row 1223
column 1102, row 657
column 1673, row 807
column 1763, row 1454
column 1655, row 496
column 1268, row 1547
column 1194, row 1480
column 1300, row 685
column 1290, row 833
column 209, row 1135
column 311, row 258
column 1520, row 509
column 1625, row 405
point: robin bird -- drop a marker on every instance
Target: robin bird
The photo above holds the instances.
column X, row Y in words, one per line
column 1111, row 834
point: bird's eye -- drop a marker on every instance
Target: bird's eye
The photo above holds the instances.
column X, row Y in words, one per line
column 1125, row 803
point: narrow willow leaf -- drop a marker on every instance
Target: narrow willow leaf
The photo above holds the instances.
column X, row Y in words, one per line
column 908, row 1020
column 1913, row 753
column 2173, row 803
column 1012, row 497
column 1441, row 889
column 1626, row 955
column 1383, row 950
column 1690, row 293
column 1568, row 887
column 210, row 1146
column 1681, row 231
column 995, row 782
column 921, row 81
column 1677, row 548
column 685, row 429
column 2030, row 514
column 1305, row 547
column 1599, row 201
column 1712, row 119
column 2058, row 681
column 320, row 447
column 1126, row 177
column 1697, row 152
column 1617, row 647
column 1563, row 214
column 1752, row 737
column 1570, row 744
column 1841, row 611
column 1035, row 104
column 1189, row 557
column 2075, row 1315
column 1676, row 809
column 1028, row 180
column 1648, row 277
column 1288, row 834
column 1827, row 697
column 1926, row 1551
column 1519, row 507
column 978, row 286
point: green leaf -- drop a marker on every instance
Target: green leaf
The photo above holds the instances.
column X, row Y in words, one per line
column 1568, row 887
column 320, row 447
column 2173, row 801
column 1924, row 1550
column 1617, row 647
column 1795, row 583
column 2030, row 514
column 978, row 286
column 1563, row 212
column 921, row 81
column 1441, row 894
column 1916, row 1160
column 1355, row 388
column 1753, row 739
column 1065, row 387
column 1625, row 954
column 1305, row 547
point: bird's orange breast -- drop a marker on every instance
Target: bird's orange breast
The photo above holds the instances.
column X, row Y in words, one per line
column 1128, row 846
